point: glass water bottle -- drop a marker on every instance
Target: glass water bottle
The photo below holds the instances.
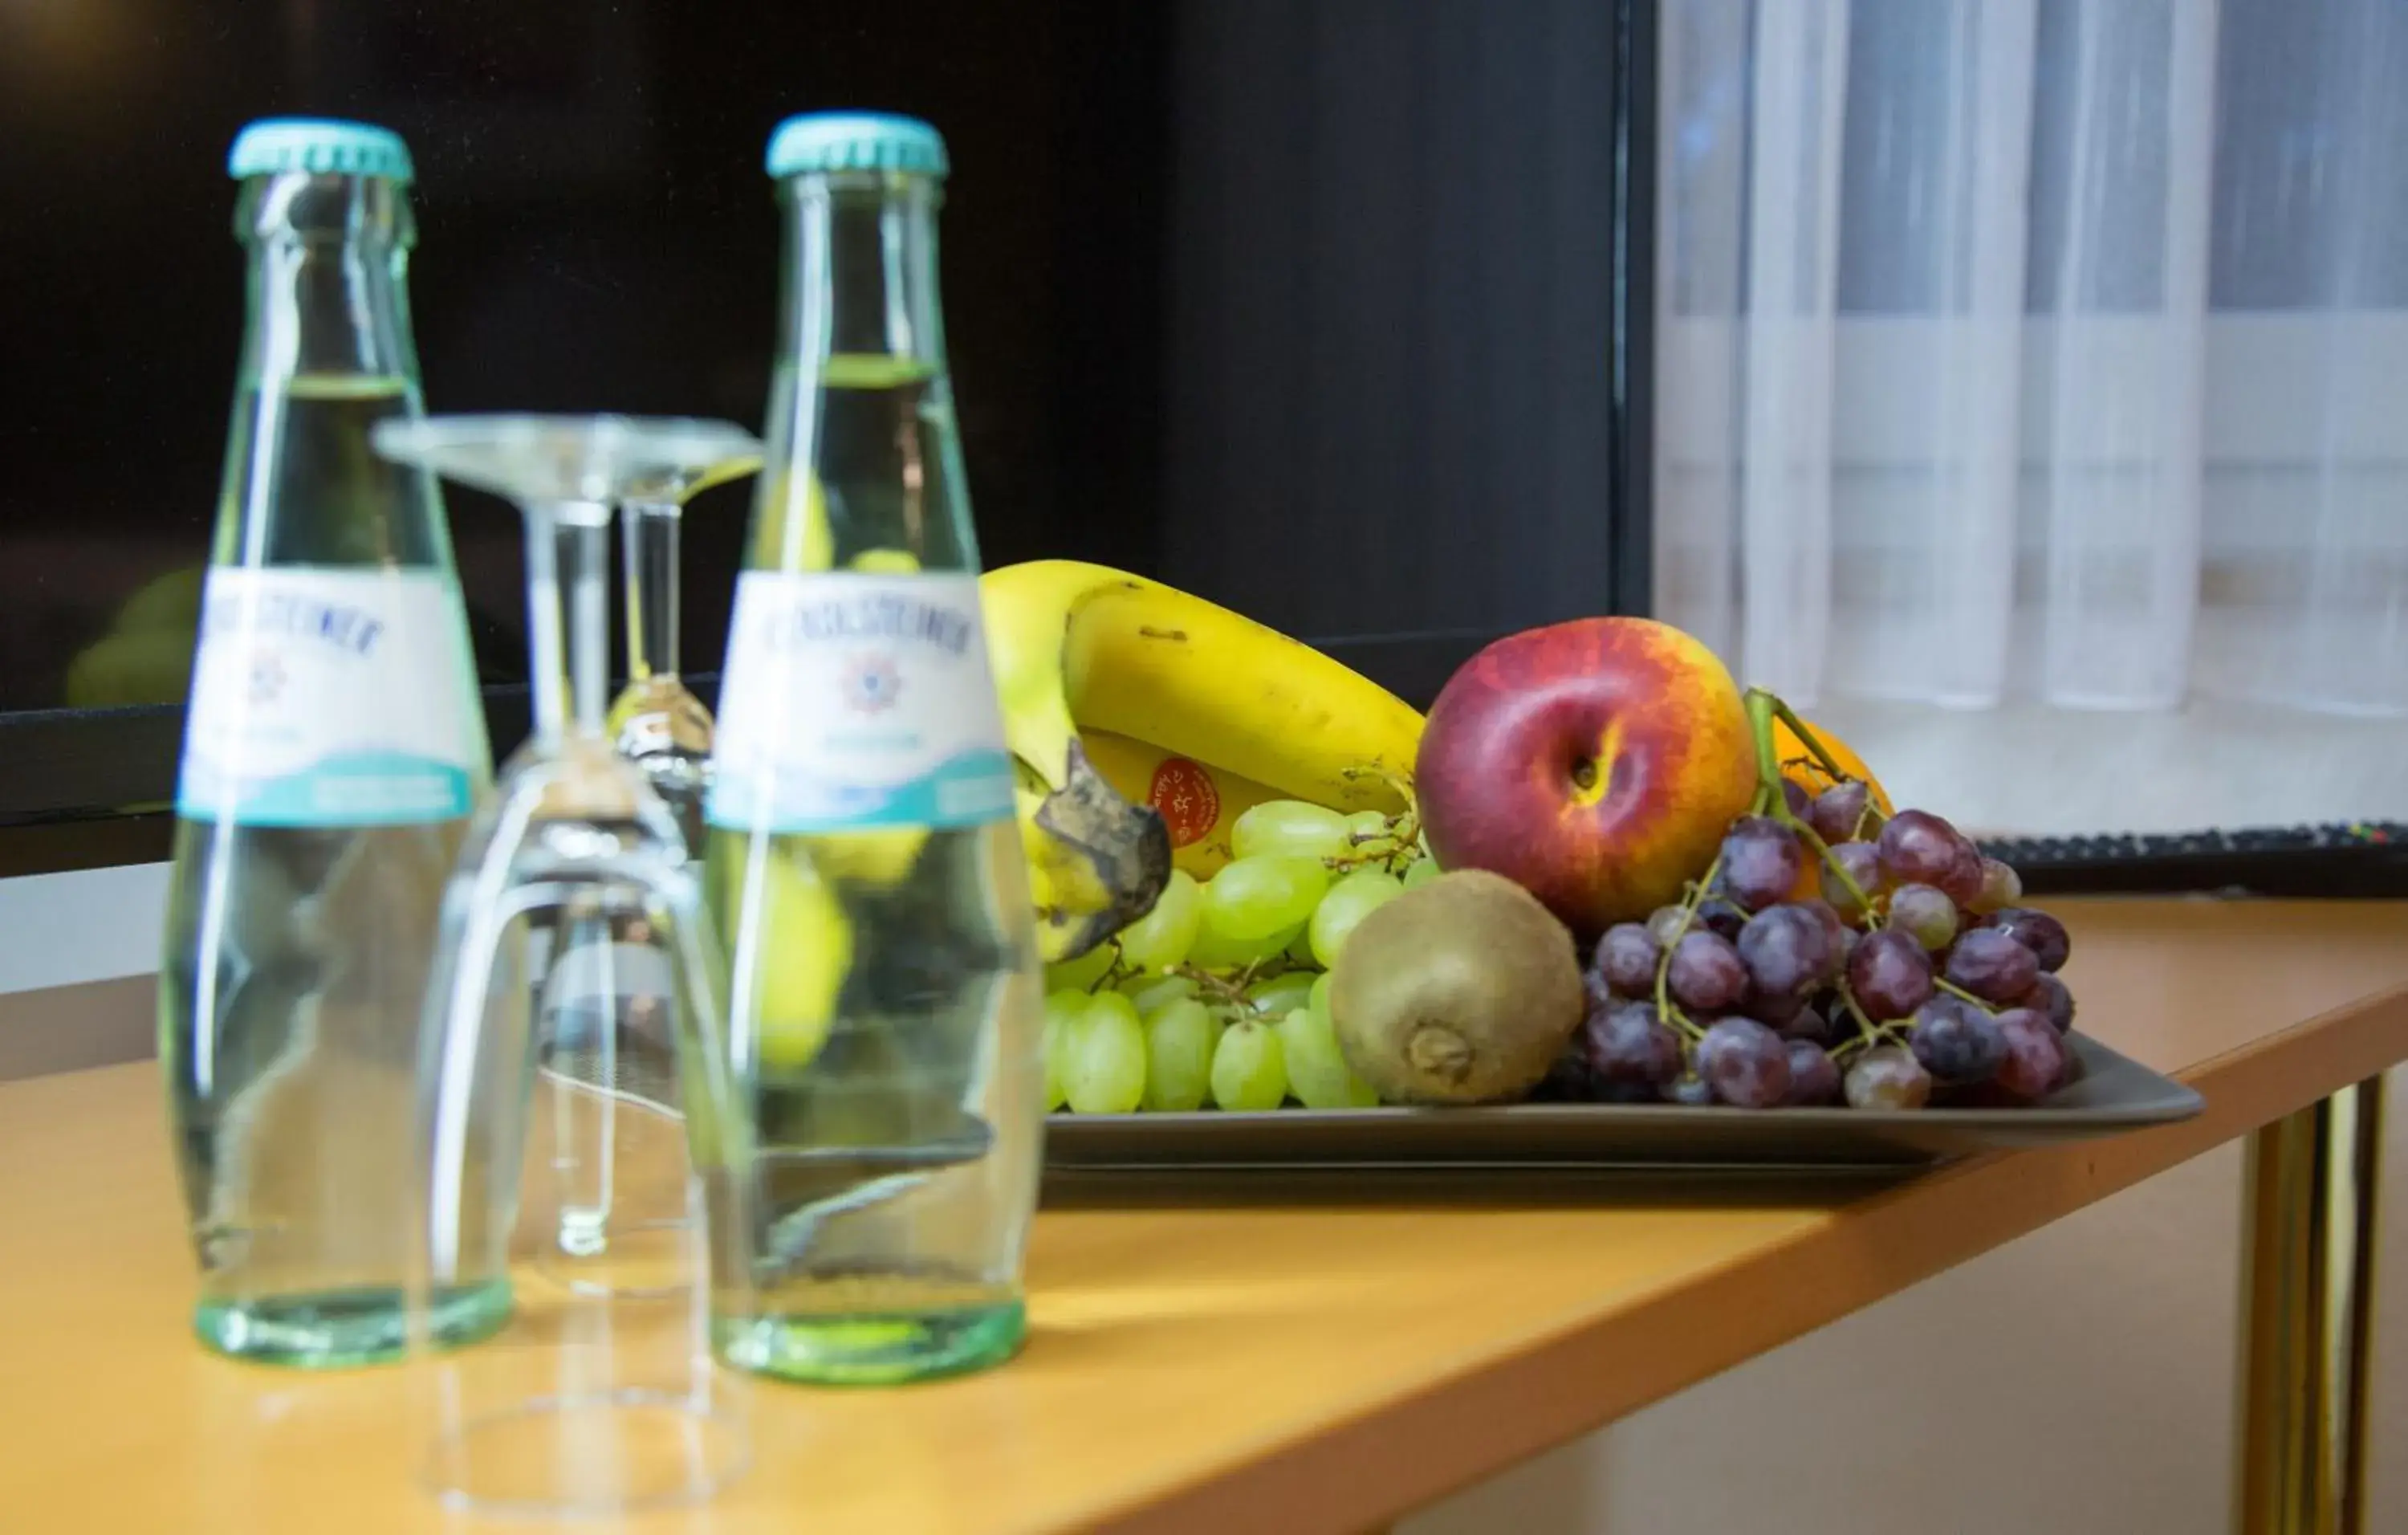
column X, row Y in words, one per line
column 864, row 863
column 333, row 747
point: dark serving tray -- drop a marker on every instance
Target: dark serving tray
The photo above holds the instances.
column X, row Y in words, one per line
column 2113, row 1094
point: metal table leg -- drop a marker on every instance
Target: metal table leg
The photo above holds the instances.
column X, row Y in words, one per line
column 2307, row 1317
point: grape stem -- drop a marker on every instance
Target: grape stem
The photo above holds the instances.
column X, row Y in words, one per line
column 1869, row 1034
column 1221, row 988
column 1402, row 834
column 1818, row 754
column 1690, row 899
column 1227, row 991
column 1865, row 913
column 1798, row 728
column 1962, row 995
column 1115, row 973
column 1763, row 708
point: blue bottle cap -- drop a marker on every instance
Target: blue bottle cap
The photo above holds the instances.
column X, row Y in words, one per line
column 321, row 146
column 826, row 142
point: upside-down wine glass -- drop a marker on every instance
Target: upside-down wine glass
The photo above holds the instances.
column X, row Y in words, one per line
column 595, row 1398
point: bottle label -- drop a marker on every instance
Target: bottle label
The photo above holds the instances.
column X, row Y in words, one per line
column 857, row 701
column 330, row 697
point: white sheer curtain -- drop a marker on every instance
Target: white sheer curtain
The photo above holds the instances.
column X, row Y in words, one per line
column 2038, row 352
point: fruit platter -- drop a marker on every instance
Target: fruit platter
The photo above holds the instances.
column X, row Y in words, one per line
column 1601, row 906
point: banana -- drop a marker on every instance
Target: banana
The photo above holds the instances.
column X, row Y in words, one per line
column 1083, row 648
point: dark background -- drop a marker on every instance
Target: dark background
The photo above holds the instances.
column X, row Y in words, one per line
column 1326, row 308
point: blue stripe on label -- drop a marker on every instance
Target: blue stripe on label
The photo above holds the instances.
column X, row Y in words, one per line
column 969, row 790
column 361, row 789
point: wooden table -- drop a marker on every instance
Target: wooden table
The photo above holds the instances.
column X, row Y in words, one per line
column 1194, row 1370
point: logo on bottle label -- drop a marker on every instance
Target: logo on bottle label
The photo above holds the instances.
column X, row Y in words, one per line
column 330, row 697
column 857, row 701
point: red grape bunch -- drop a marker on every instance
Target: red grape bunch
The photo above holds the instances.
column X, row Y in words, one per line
column 1829, row 955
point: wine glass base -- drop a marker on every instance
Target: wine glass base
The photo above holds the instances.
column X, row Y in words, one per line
column 598, row 459
column 602, row 1453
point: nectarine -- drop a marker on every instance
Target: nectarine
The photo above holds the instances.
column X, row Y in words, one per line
column 1596, row 763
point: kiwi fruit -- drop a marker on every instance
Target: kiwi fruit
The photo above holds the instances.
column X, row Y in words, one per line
column 1463, row 990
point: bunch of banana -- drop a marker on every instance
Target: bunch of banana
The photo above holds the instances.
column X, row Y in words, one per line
column 1139, row 717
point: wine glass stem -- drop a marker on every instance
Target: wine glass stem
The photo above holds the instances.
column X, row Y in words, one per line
column 567, row 629
column 649, row 536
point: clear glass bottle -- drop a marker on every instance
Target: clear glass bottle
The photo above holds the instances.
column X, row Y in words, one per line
column 864, row 863
column 333, row 745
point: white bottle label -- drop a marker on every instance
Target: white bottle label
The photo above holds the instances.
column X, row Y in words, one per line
column 330, row 697
column 857, row 701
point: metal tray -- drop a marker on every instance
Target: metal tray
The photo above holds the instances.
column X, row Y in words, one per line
column 2115, row 1094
